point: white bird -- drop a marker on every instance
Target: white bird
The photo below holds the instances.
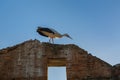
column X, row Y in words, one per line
column 51, row 33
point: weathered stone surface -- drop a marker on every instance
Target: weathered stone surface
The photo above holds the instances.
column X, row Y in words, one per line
column 30, row 61
column 116, row 71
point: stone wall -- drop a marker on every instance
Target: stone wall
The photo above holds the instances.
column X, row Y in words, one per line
column 30, row 60
column 116, row 71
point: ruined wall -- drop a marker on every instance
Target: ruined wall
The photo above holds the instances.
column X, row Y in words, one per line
column 116, row 71
column 23, row 61
column 30, row 60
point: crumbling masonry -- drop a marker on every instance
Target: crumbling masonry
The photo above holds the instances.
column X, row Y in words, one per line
column 30, row 60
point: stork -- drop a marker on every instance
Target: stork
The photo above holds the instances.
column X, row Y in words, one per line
column 51, row 33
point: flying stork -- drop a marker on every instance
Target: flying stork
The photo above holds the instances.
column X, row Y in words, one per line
column 51, row 33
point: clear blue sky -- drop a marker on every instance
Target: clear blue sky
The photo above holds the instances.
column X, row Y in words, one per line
column 93, row 24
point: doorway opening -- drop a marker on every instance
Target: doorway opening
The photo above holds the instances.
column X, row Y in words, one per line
column 57, row 73
column 57, row 69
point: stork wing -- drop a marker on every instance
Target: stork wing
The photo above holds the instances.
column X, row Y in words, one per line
column 54, row 31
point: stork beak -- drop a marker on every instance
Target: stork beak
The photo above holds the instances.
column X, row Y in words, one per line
column 69, row 37
column 66, row 35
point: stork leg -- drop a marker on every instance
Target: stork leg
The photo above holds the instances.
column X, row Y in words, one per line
column 49, row 40
column 52, row 41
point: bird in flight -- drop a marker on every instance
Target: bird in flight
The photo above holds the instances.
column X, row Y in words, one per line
column 51, row 33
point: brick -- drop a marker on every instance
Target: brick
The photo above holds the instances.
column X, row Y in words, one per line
column 29, row 61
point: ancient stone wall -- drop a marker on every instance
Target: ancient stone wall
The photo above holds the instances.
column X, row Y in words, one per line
column 30, row 61
column 116, row 71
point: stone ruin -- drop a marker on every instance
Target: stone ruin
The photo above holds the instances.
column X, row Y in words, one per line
column 30, row 61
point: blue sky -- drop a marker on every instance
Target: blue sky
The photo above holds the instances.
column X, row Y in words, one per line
column 93, row 24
